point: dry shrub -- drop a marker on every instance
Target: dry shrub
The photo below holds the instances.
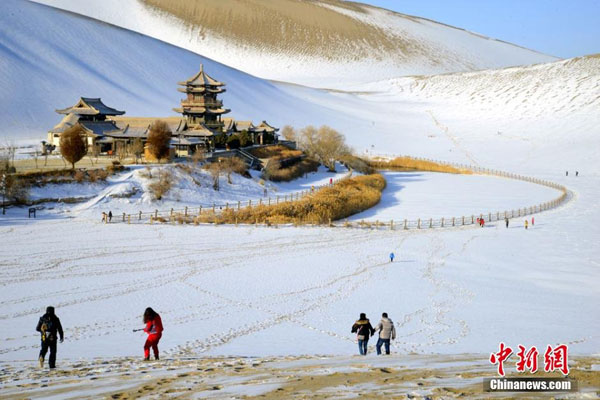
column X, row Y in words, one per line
column 357, row 164
column 79, row 176
column 101, row 174
column 277, row 151
column 345, row 198
column 274, row 173
column 411, row 164
column 160, row 187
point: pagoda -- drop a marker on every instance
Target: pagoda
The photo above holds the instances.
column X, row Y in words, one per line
column 201, row 108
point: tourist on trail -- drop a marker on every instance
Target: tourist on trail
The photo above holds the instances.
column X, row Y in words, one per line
column 154, row 329
column 478, row 221
column 526, row 224
column 482, row 222
column 363, row 330
column 331, row 181
column 387, row 331
column 567, row 173
column 506, row 220
column 392, row 257
column 532, row 221
column 576, row 173
column 104, row 217
column 50, row 328
column 110, row 216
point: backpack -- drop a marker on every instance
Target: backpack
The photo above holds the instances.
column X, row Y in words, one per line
column 47, row 328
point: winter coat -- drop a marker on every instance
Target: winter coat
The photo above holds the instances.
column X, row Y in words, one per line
column 154, row 326
column 52, row 327
column 386, row 329
column 363, row 329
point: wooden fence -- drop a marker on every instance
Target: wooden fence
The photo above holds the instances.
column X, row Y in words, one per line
column 175, row 215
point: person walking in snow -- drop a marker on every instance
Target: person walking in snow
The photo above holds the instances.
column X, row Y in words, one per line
column 526, row 224
column 363, row 330
column 154, row 329
column 50, row 328
column 567, row 173
column 506, row 220
column 109, row 216
column 532, row 221
column 387, row 331
column 104, row 216
column 392, row 257
column 576, row 173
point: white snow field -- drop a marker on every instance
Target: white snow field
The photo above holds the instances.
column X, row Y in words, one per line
column 256, row 291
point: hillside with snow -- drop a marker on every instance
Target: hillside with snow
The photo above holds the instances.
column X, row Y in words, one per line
column 290, row 40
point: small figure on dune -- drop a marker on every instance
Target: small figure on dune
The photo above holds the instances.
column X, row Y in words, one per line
column 363, row 330
column 526, row 224
column 50, row 328
column 392, row 257
column 110, row 216
column 387, row 331
column 576, row 173
column 154, row 329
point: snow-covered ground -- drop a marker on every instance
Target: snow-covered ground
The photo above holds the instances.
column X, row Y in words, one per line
column 277, row 291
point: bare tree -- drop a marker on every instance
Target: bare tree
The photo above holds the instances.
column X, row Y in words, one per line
column 231, row 165
column 10, row 149
column 72, row 144
column 325, row 144
column 159, row 139
column 215, row 169
column 11, row 187
column 137, row 148
column 199, row 156
column 289, row 133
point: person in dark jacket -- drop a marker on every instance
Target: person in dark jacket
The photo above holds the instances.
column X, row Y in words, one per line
column 50, row 328
column 363, row 330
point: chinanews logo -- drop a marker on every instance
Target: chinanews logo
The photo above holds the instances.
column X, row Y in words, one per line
column 555, row 359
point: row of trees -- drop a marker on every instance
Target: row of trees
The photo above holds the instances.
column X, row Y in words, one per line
column 323, row 144
column 73, row 145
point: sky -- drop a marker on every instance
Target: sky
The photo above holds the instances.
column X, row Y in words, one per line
column 562, row 28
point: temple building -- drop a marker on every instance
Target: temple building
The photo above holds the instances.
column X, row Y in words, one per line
column 201, row 109
column 91, row 114
column 201, row 126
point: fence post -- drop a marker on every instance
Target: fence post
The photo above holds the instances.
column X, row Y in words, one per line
column 269, row 201
column 250, row 203
column 239, row 204
column 452, row 221
column 123, row 217
column 463, row 220
column 472, row 219
column 442, row 222
column 490, row 217
column 171, row 212
column 185, row 212
column 419, row 223
column 405, row 225
column 155, row 214
column 430, row 222
column 227, row 206
column 260, row 202
column 392, row 225
column 200, row 211
column 330, row 222
column 140, row 218
column 129, row 218
column 214, row 205
column 498, row 216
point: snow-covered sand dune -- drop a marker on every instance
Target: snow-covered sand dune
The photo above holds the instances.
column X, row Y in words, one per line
column 290, row 41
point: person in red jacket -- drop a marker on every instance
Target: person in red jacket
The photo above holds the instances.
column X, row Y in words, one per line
column 154, row 330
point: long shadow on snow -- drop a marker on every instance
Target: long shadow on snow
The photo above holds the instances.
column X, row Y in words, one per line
column 396, row 181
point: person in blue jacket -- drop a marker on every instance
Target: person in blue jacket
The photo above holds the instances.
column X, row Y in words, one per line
column 392, row 257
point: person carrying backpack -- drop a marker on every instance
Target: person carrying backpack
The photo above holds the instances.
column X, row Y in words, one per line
column 50, row 328
column 363, row 330
column 154, row 329
column 387, row 331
